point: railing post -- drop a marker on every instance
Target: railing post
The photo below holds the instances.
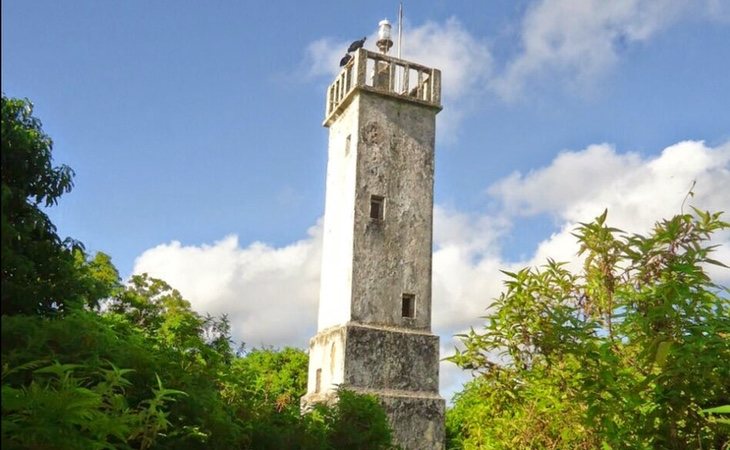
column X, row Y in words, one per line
column 360, row 67
column 346, row 80
column 406, row 72
column 391, row 76
column 436, row 86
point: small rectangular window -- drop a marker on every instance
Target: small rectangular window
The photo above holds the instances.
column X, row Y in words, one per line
column 408, row 308
column 347, row 145
column 318, row 381
column 377, row 207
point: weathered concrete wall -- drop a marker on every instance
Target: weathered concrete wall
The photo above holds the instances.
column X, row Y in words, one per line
column 392, row 257
column 373, row 358
column 399, row 366
column 419, row 419
column 379, row 146
column 390, row 359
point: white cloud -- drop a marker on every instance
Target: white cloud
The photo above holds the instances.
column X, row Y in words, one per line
column 579, row 40
column 465, row 61
column 466, row 264
column 637, row 191
column 270, row 294
column 322, row 57
column 571, row 178
column 579, row 185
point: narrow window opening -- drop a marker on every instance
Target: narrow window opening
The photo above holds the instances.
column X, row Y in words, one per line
column 377, row 207
column 408, row 308
column 347, row 145
column 318, row 381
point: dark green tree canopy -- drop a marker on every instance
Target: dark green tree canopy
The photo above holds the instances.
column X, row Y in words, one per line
column 38, row 269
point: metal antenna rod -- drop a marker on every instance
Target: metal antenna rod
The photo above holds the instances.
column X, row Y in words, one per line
column 400, row 28
column 399, row 76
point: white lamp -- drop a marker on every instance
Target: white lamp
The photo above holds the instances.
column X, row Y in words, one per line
column 384, row 42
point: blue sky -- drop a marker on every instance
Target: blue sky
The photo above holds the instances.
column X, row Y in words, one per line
column 195, row 132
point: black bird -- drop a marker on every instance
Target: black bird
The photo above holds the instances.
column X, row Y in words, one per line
column 345, row 59
column 356, row 45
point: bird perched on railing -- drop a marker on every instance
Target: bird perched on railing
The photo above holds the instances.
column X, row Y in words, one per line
column 345, row 59
column 356, row 45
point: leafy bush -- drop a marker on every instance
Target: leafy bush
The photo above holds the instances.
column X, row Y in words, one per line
column 624, row 354
column 66, row 406
column 355, row 421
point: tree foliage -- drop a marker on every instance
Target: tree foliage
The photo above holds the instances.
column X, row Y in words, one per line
column 60, row 409
column 180, row 388
column 355, row 422
column 624, row 354
column 38, row 269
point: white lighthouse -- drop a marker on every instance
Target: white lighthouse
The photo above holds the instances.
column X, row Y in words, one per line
column 374, row 328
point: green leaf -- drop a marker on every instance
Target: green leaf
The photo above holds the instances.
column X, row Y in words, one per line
column 715, row 262
column 724, row 409
column 661, row 352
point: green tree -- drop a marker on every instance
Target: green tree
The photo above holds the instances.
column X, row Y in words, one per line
column 192, row 353
column 97, row 278
column 262, row 387
column 624, row 354
column 38, row 269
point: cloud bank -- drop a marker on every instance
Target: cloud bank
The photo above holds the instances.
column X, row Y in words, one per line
column 579, row 40
column 271, row 294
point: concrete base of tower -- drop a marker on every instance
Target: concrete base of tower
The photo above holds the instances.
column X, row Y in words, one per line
column 307, row 403
column 397, row 365
column 417, row 421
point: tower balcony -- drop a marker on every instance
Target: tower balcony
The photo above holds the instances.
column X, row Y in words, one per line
column 384, row 75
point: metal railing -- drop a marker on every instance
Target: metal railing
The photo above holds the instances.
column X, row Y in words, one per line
column 386, row 75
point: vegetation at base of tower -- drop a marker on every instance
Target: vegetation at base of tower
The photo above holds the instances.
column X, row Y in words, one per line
column 91, row 362
column 355, row 422
column 631, row 352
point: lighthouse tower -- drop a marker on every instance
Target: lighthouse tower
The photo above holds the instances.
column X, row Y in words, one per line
column 374, row 327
